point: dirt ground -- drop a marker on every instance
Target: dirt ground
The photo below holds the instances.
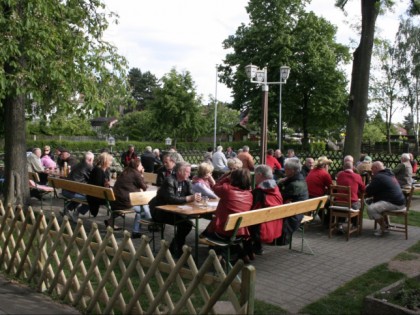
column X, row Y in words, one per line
column 410, row 267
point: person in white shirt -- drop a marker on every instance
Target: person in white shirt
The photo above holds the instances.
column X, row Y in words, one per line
column 219, row 160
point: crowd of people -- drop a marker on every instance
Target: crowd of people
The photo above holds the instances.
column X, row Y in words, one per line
column 283, row 179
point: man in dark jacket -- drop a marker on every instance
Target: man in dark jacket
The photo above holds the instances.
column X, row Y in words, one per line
column 80, row 173
column 265, row 194
column 387, row 195
column 175, row 190
column 149, row 160
column 168, row 168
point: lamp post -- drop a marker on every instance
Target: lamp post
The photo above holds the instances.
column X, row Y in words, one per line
column 215, row 115
column 284, row 75
column 168, row 142
column 111, row 142
column 259, row 76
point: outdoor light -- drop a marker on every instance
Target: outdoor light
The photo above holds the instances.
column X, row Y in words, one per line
column 259, row 76
column 168, row 141
column 111, row 142
column 284, row 73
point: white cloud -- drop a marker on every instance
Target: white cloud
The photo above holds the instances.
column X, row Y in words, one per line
column 158, row 35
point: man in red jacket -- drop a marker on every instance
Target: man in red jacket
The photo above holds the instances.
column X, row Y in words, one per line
column 265, row 194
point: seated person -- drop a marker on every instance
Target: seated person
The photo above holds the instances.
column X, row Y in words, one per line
column 149, row 160
column 168, row 168
column 35, row 165
column 348, row 177
column 233, row 164
column 265, row 194
column 128, row 155
column 80, row 173
column 48, row 162
column 66, row 157
column 273, row 162
column 235, row 196
column 219, row 160
column 175, row 189
column 404, row 172
column 203, row 182
column 308, row 166
column 387, row 195
column 130, row 180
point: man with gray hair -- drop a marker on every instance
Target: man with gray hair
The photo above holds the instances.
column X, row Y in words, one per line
column 219, row 160
column 265, row 194
column 148, row 160
column 404, row 172
column 246, row 158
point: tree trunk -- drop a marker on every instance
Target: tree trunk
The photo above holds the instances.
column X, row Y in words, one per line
column 358, row 101
column 16, row 189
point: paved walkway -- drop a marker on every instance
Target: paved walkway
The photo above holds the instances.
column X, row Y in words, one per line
column 285, row 278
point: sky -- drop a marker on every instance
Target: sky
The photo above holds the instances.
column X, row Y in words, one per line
column 187, row 35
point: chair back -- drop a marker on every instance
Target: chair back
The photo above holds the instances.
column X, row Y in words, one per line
column 340, row 196
column 408, row 196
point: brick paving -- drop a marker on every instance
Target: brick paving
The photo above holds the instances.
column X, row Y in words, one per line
column 286, row 278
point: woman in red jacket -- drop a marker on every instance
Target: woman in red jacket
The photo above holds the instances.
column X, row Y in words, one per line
column 235, row 196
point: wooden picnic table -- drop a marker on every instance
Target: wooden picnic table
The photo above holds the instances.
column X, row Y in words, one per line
column 192, row 210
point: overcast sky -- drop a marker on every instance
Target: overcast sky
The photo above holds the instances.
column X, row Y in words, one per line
column 158, row 35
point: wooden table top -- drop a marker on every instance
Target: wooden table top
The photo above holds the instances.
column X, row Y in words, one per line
column 191, row 208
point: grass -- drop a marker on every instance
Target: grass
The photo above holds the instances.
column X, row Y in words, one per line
column 348, row 299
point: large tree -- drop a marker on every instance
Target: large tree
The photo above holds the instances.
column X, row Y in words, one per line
column 50, row 52
column 175, row 110
column 142, row 87
column 362, row 56
column 282, row 32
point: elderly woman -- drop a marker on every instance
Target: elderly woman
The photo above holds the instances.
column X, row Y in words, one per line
column 235, row 196
column 130, row 180
column 99, row 176
column 204, row 181
column 233, row 164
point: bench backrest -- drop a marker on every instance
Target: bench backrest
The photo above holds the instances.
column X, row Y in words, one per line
column 34, row 176
column 274, row 213
column 150, row 178
column 81, row 188
column 141, row 198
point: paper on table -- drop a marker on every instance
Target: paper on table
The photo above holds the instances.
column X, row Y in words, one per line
column 212, row 203
column 185, row 207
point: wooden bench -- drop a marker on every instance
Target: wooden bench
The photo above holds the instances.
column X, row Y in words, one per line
column 249, row 218
column 150, row 178
column 81, row 188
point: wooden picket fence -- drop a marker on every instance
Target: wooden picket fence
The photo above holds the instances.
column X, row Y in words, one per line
column 105, row 276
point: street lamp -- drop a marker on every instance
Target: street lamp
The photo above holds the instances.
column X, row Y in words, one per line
column 259, row 76
column 284, row 75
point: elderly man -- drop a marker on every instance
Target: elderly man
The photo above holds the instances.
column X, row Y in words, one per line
column 149, row 160
column 35, row 165
column 176, row 189
column 219, row 160
column 308, row 166
column 293, row 186
column 168, row 168
column 265, row 194
column 246, row 158
column 128, row 155
column 279, row 156
column 387, row 195
column 404, row 172
column 66, row 157
column 80, row 173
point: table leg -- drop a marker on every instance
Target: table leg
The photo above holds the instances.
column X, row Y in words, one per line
column 196, row 240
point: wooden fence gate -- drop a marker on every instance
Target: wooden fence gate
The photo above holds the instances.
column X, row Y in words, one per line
column 101, row 275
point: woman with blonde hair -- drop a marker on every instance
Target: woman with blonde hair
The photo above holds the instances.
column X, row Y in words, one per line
column 203, row 182
column 99, row 176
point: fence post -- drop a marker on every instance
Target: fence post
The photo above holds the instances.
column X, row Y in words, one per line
column 248, row 288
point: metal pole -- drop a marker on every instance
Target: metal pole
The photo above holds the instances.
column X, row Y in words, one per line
column 215, row 115
column 264, row 123
column 279, row 123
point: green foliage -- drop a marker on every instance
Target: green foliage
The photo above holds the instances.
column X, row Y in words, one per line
column 314, row 97
column 227, row 118
column 71, row 125
column 136, row 126
column 373, row 133
column 176, row 109
column 142, row 87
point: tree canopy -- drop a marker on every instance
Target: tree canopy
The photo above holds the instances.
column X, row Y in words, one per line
column 50, row 51
column 283, row 33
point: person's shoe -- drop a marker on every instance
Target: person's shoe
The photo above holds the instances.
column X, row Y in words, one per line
column 74, row 216
column 251, row 256
column 136, row 235
column 378, row 233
